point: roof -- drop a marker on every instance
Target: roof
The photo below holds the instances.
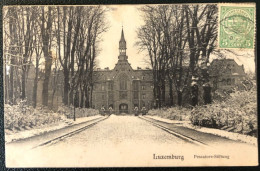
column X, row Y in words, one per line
column 122, row 36
column 225, row 66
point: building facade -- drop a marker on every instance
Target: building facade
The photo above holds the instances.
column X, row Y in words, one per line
column 226, row 74
column 123, row 88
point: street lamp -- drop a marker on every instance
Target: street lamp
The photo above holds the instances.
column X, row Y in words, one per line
column 74, row 105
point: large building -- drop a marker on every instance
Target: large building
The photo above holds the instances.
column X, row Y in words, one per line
column 123, row 88
column 225, row 74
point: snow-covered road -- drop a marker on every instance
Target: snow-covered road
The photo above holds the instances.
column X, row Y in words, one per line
column 117, row 141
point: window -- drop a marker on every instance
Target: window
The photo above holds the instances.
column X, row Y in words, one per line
column 228, row 81
column 123, row 84
column 135, row 95
column 143, row 87
column 135, row 85
column 110, row 85
column 110, row 97
column 103, row 86
column 233, row 81
column 143, row 96
column 122, row 94
column 229, row 69
column 224, row 82
column 142, row 77
column 103, row 97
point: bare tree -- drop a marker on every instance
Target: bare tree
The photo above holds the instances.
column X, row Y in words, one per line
column 72, row 32
column 202, row 34
column 172, row 33
column 150, row 38
column 47, row 19
column 38, row 52
column 82, row 27
column 11, row 50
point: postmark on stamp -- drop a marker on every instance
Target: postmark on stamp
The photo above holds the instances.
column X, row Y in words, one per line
column 236, row 27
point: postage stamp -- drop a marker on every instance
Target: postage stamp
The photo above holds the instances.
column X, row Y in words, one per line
column 236, row 27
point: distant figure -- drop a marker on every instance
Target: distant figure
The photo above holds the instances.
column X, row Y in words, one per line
column 110, row 110
column 136, row 111
column 143, row 110
column 103, row 110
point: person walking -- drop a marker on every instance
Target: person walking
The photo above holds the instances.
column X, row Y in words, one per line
column 103, row 110
column 136, row 111
column 143, row 110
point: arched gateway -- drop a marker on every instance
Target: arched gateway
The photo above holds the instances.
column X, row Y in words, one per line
column 123, row 108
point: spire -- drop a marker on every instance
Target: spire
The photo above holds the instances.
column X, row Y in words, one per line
column 122, row 36
column 122, row 46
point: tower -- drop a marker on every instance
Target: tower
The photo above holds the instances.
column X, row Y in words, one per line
column 122, row 47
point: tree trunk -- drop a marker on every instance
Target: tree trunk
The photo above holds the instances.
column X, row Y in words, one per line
column 45, row 89
column 91, row 96
column 194, row 95
column 207, row 95
column 179, row 95
column 11, row 91
column 66, row 87
column 46, row 32
column 35, row 84
column 163, row 93
column 71, row 92
column 23, row 83
column 171, row 92
column 86, row 97
column 158, row 97
column 5, row 83
column 76, row 99
column 81, row 99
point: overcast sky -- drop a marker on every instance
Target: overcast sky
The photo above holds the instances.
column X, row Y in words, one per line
column 129, row 17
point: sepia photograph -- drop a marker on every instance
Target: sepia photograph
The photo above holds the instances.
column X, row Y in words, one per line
column 137, row 85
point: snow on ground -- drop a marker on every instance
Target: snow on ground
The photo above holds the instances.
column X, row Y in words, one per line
column 127, row 141
column 222, row 133
column 13, row 136
column 167, row 120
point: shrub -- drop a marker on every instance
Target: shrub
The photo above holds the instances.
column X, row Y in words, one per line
column 80, row 112
column 174, row 113
column 21, row 116
column 239, row 112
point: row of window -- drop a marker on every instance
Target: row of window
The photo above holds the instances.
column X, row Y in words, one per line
column 123, row 95
column 122, row 86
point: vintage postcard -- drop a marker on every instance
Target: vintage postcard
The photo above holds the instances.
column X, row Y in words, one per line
column 130, row 85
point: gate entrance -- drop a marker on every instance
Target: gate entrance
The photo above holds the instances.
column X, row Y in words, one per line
column 123, row 108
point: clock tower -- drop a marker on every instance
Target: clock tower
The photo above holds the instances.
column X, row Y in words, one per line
column 122, row 48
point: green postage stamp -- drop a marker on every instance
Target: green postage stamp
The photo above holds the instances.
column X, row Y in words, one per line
column 236, row 26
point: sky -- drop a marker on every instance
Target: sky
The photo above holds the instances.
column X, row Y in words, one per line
column 129, row 17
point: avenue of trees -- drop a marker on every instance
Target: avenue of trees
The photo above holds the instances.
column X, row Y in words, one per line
column 179, row 40
column 60, row 42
